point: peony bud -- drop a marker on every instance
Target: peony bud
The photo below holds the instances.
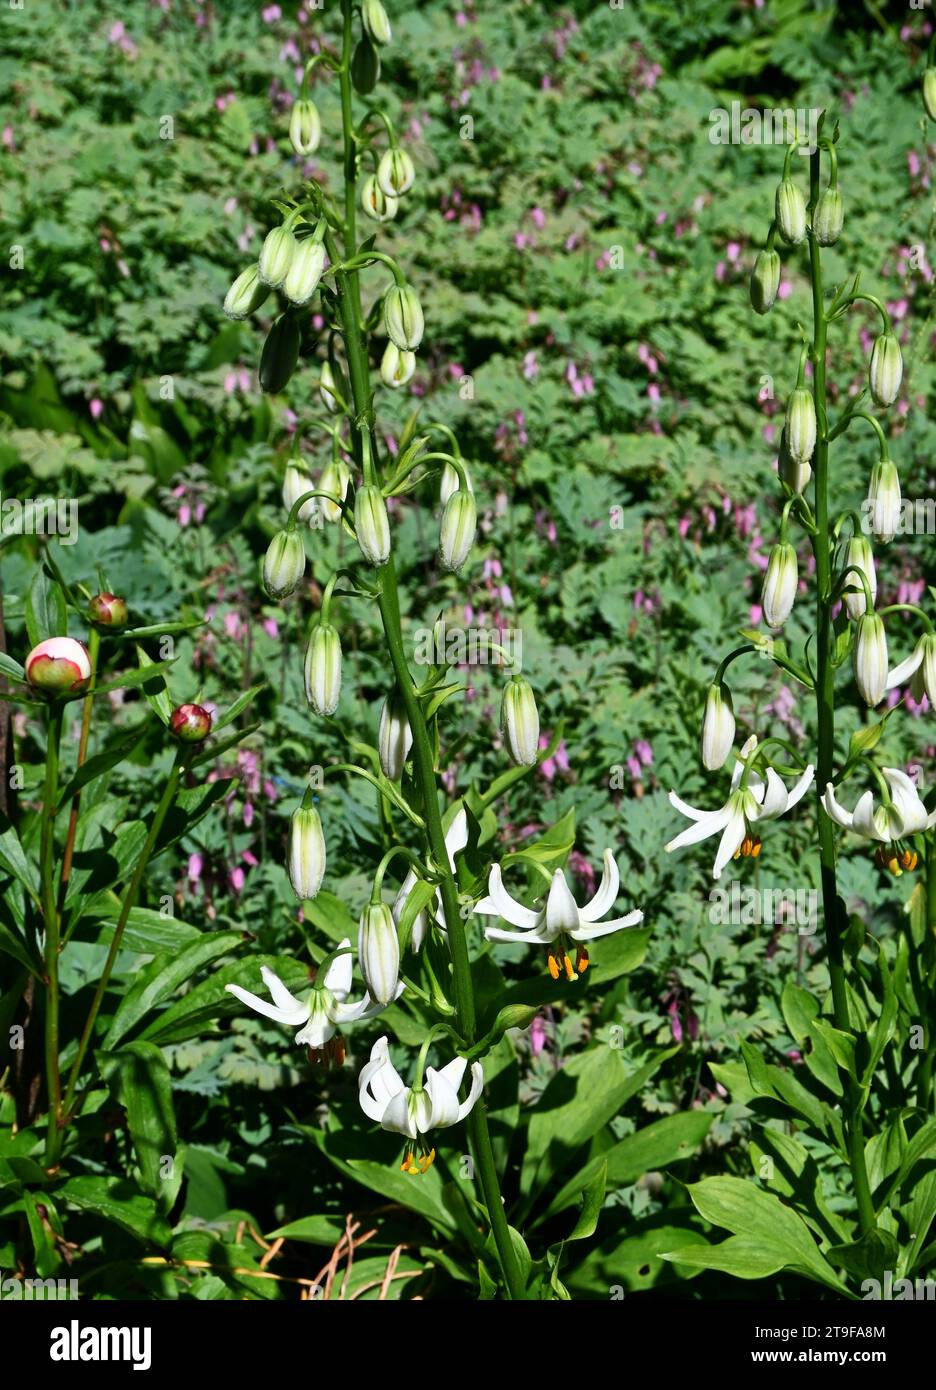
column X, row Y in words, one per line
column 403, row 317
column 885, row 369
column 375, row 201
column 780, row 583
column 929, row 92
column 395, row 172
column 372, row 524
column 327, row 389
column 58, row 665
column 520, row 721
column 305, row 127
column 296, row 484
column 108, row 610
column 860, row 556
column 718, row 727
column 765, row 281
column 336, row 475
column 246, row 294
column 276, row 256
column 323, row 669
column 457, row 532
column 795, row 475
column 365, row 67
column 871, row 659
column 801, row 424
column 379, row 952
column 828, row 217
column 280, row 354
column 883, row 501
column 394, row 737
column 396, row 367
column 284, row 564
column 305, row 271
column 790, row 212
column 190, row 723
column 306, row 852
column 376, row 23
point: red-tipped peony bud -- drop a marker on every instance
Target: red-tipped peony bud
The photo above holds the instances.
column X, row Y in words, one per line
column 190, row 723
column 108, row 610
column 58, row 665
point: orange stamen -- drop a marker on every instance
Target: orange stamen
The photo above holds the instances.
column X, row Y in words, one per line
column 581, row 960
column 553, row 964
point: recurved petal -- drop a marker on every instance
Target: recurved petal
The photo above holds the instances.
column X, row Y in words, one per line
column 562, row 912
column 338, row 974
column 397, row 1115
column 603, row 900
column 800, row 787
column 477, row 1082
column 499, row 903
column 606, row 928
column 863, row 818
column 279, row 993
column 292, row 1016
column 902, row 672
column 834, row 810
column 731, row 840
column 443, row 1097
column 710, row 824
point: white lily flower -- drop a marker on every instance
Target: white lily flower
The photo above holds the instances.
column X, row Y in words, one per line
column 906, row 815
column 456, row 838
column 415, row 1110
column 559, row 919
column 325, row 1010
column 919, row 669
column 759, row 800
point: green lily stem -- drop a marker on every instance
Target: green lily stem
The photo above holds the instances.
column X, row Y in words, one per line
column 825, row 705
column 51, row 922
column 924, row 1092
column 349, row 306
column 130, row 897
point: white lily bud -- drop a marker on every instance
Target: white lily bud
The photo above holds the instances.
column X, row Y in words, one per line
column 394, row 737
column 396, row 367
column 790, row 212
column 403, row 317
column 305, row 271
column 296, row 483
column 795, row 475
column 828, row 217
column 765, row 281
column 379, row 952
column 371, row 524
column 929, row 92
column 520, row 721
column 718, row 727
column 376, row 23
column 395, row 172
column 246, row 294
column 859, row 555
column 457, row 532
column 327, row 389
column 306, row 852
column 885, row 370
column 336, row 475
column 450, row 482
column 284, row 564
column 323, row 669
column 801, row 424
column 305, row 127
column 884, row 501
column 871, row 659
column 276, row 256
column 376, row 203
column 780, row 585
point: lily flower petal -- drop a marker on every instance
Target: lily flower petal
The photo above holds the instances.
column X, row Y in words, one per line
column 603, row 900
